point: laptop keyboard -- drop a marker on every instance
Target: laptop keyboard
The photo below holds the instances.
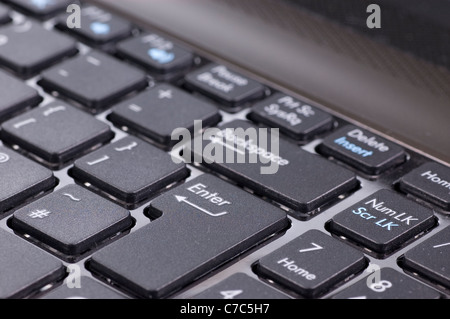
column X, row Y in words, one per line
column 101, row 189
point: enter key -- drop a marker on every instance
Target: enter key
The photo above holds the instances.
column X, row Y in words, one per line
column 201, row 225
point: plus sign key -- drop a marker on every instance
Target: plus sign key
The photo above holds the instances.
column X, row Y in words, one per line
column 158, row 112
column 383, row 222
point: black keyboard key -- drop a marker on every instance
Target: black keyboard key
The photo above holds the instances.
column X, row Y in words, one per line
column 431, row 258
column 158, row 112
column 71, row 220
column 56, row 133
column 41, row 9
column 25, row 268
column 88, row 289
column 293, row 117
column 287, row 174
column 95, row 80
column 130, row 170
column 383, row 221
column 98, row 26
column 16, row 96
column 205, row 222
column 21, row 179
column 29, row 48
column 430, row 182
column 155, row 53
column 312, row 264
column 387, row 283
column 4, row 17
column 241, row 286
column 227, row 87
column 363, row 150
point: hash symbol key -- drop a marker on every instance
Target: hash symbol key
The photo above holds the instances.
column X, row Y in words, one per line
column 71, row 220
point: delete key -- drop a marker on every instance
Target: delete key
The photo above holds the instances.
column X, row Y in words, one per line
column 363, row 150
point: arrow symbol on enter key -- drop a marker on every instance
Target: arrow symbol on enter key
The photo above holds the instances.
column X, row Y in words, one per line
column 184, row 199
